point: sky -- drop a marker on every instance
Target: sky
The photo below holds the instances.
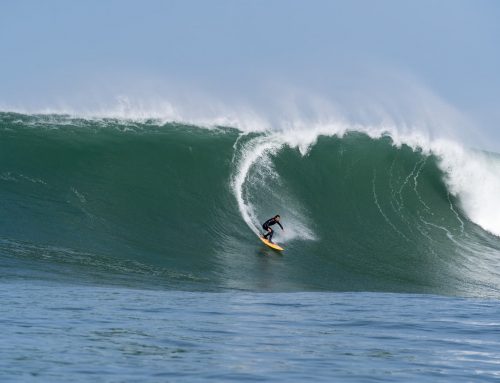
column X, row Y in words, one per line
column 86, row 53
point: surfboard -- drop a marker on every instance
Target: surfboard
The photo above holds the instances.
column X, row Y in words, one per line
column 271, row 245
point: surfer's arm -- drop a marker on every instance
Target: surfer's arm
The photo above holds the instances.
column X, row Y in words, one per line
column 280, row 225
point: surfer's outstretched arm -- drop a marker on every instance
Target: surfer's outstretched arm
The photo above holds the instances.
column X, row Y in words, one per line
column 280, row 225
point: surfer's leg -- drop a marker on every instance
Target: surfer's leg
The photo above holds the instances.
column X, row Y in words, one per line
column 271, row 232
column 266, row 229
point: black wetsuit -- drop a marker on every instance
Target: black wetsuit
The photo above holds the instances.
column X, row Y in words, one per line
column 266, row 226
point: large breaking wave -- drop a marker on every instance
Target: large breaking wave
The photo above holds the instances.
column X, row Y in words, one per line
column 178, row 205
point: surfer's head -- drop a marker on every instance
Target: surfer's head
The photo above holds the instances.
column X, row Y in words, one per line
column 277, row 217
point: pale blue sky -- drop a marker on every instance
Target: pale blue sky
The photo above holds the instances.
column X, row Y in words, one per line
column 55, row 49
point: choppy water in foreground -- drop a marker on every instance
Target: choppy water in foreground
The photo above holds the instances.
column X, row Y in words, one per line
column 58, row 332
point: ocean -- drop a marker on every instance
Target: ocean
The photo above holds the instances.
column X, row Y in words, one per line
column 129, row 252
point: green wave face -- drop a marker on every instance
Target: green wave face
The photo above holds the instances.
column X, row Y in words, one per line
column 178, row 207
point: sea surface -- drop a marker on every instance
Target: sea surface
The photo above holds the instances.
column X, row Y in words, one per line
column 129, row 252
column 65, row 332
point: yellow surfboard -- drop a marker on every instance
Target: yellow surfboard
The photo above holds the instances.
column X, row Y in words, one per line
column 271, row 245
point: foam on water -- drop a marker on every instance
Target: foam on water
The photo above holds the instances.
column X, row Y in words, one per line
column 473, row 177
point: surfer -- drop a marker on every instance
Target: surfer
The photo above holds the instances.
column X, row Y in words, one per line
column 266, row 226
